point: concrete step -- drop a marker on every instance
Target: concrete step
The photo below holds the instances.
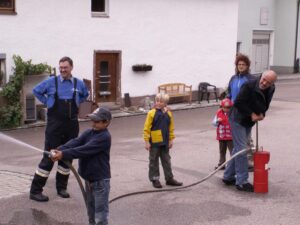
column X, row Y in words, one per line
column 110, row 105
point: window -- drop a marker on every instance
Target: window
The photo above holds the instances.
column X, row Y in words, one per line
column 7, row 6
column 2, row 69
column 99, row 8
column 238, row 47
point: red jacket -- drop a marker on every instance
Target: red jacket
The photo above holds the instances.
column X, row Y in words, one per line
column 223, row 129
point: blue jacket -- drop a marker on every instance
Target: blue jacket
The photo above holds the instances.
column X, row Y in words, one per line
column 235, row 84
column 45, row 91
column 159, row 127
column 92, row 148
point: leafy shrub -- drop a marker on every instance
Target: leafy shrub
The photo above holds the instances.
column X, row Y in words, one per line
column 11, row 114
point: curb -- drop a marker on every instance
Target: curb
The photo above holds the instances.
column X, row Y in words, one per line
column 120, row 114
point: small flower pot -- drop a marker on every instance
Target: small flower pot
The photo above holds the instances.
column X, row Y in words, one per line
column 141, row 67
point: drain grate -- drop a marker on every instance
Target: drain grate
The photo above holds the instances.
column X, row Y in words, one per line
column 14, row 183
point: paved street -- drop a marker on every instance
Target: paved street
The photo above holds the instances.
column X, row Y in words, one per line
column 195, row 154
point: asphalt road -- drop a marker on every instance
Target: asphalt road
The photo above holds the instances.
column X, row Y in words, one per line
column 194, row 155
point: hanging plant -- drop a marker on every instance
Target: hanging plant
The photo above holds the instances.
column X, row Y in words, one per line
column 142, row 67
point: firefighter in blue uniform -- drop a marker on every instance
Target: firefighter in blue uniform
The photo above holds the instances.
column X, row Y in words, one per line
column 62, row 95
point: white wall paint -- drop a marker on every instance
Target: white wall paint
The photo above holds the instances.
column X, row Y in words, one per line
column 186, row 41
column 284, row 50
column 249, row 20
column 282, row 23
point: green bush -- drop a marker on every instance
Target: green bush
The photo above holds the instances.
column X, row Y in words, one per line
column 11, row 114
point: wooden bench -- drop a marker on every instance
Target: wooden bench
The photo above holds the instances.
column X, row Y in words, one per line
column 176, row 90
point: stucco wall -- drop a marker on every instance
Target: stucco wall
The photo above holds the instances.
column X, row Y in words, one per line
column 249, row 21
column 284, row 50
column 186, row 41
column 282, row 24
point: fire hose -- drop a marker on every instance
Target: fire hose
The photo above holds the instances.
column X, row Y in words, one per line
column 182, row 187
column 79, row 181
column 146, row 191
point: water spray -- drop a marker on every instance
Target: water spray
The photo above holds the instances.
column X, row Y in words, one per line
column 50, row 154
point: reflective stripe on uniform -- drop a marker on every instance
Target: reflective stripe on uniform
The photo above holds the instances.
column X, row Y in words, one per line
column 42, row 173
column 63, row 171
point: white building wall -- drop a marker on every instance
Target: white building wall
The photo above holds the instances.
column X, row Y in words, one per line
column 249, row 20
column 281, row 24
column 284, row 51
column 185, row 41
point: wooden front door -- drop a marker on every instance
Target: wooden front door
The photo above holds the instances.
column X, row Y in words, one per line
column 105, row 77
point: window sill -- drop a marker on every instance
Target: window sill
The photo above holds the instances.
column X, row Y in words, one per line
column 100, row 14
column 8, row 13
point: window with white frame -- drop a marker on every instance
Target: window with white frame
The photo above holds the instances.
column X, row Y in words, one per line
column 99, row 8
column 2, row 69
column 7, row 7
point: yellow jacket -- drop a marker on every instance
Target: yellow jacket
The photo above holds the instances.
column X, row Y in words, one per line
column 159, row 127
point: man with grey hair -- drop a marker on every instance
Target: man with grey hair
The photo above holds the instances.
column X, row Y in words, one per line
column 249, row 107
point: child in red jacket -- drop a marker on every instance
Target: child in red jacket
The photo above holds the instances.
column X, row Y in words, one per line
column 224, row 135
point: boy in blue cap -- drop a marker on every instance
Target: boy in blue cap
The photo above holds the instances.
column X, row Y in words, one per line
column 92, row 148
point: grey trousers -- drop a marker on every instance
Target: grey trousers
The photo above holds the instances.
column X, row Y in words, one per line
column 155, row 153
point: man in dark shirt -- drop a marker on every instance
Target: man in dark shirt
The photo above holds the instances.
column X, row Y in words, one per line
column 249, row 107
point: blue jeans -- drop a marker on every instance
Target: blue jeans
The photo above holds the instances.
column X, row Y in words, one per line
column 239, row 165
column 97, row 200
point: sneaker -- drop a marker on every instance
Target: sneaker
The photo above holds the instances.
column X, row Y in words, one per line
column 173, row 182
column 39, row 197
column 229, row 182
column 245, row 187
column 156, row 184
column 63, row 193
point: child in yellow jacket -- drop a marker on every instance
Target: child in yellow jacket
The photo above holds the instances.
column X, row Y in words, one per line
column 158, row 136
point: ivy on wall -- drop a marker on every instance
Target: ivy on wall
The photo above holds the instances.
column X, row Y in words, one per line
column 11, row 112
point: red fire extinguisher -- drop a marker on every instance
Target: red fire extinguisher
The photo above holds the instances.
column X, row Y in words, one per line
column 261, row 159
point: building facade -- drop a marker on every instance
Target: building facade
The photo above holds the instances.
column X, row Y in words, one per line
column 188, row 41
column 268, row 33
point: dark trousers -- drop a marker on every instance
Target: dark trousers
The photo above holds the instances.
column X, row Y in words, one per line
column 223, row 145
column 155, row 153
column 58, row 132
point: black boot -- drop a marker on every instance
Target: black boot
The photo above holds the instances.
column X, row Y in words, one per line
column 63, row 193
column 39, row 197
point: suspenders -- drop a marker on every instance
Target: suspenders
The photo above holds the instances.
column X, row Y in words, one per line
column 56, row 88
column 69, row 106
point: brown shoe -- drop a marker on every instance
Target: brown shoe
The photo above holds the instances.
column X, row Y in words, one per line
column 156, row 184
column 173, row 182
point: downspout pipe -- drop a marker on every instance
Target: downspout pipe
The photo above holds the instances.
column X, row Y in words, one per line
column 296, row 61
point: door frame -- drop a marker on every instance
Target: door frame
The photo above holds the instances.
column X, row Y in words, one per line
column 118, row 72
column 271, row 45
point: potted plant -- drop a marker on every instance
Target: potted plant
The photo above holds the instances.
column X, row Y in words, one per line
column 142, row 67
